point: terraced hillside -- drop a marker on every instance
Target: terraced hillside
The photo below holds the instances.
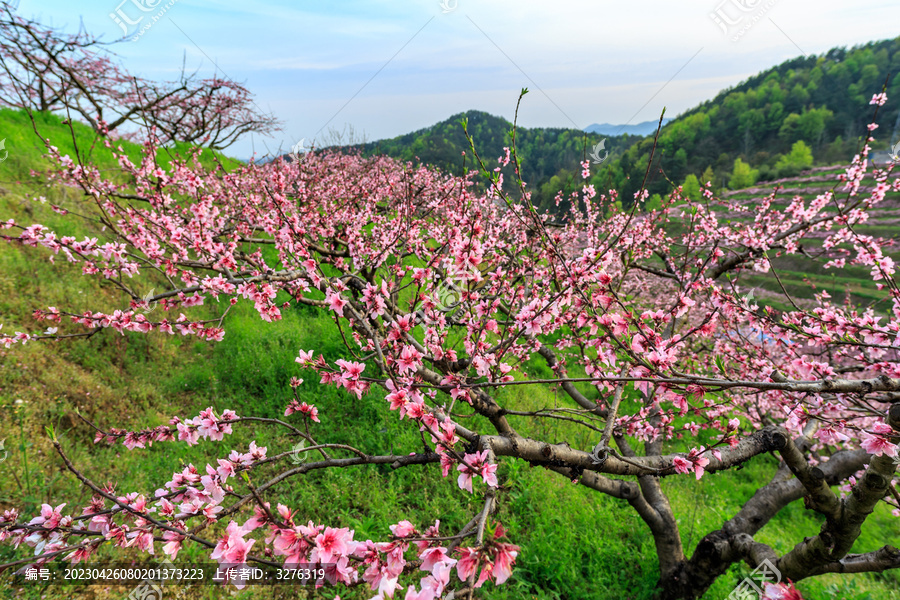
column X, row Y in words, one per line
column 801, row 276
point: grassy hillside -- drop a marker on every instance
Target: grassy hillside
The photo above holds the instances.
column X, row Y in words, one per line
column 576, row 544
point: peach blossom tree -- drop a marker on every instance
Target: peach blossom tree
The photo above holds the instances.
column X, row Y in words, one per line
column 443, row 295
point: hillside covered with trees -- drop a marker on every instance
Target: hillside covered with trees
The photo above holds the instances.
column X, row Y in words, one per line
column 550, row 156
column 806, row 111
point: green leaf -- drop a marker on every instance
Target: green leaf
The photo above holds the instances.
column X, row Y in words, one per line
column 721, row 364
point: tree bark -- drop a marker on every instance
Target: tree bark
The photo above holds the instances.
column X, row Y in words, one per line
column 718, row 550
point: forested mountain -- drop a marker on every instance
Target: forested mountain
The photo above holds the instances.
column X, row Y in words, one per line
column 805, row 111
column 551, row 156
column 772, row 122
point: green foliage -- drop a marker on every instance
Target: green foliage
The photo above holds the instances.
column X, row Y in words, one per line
column 790, row 128
column 652, row 203
column 799, row 158
column 811, row 124
column 709, row 177
column 742, row 176
column 691, row 187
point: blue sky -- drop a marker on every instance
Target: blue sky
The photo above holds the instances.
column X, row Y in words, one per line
column 387, row 68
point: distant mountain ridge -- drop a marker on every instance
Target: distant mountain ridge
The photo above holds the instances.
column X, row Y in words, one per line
column 645, row 128
column 545, row 152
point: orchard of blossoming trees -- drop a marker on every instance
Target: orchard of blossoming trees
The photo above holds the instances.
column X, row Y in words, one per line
column 442, row 295
column 46, row 70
